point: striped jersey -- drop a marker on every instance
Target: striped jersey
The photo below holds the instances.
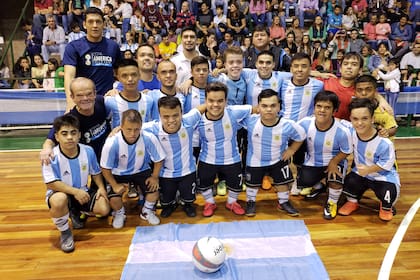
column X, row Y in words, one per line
column 218, row 138
column 266, row 144
column 156, row 94
column 236, row 89
column 117, row 104
column 298, row 101
column 178, row 147
column 71, row 171
column 255, row 84
column 196, row 97
column 322, row 146
column 128, row 159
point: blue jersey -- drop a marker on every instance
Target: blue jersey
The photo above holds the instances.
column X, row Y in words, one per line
column 94, row 61
column 236, row 89
column 218, row 138
column 255, row 84
column 298, row 101
column 178, row 146
column 376, row 151
column 117, row 104
column 156, row 94
column 142, row 85
column 322, row 146
column 266, row 144
column 196, row 97
column 128, row 159
column 71, row 171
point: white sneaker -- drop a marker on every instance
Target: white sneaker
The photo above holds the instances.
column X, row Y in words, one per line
column 118, row 221
column 294, row 190
column 150, row 217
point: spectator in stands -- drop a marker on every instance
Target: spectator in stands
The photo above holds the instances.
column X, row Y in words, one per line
column 166, row 48
column 219, row 23
column 60, row 9
column 130, row 43
column 100, row 4
column 53, row 39
column 236, row 20
column 153, row 19
column 136, row 23
column 370, row 31
column 76, row 33
column 22, row 71
column 318, row 32
column 289, row 43
column 4, row 76
column 77, row 9
column 204, row 19
column 185, row 17
column 277, row 32
column 38, row 71
column 350, row 20
column 124, row 11
column 112, row 31
column 151, row 41
column 257, row 9
column 401, row 36
column 392, row 79
column 168, row 11
column 42, row 8
column 339, row 42
column 323, row 62
column 228, row 42
column 335, row 22
column 414, row 13
column 48, row 84
column 245, row 43
column 366, row 53
column 360, row 9
column 306, row 45
column 410, row 62
column 209, row 48
column 223, row 3
column 383, row 30
column 356, row 43
column 33, row 39
column 308, row 9
column 379, row 61
column 287, row 4
column 295, row 28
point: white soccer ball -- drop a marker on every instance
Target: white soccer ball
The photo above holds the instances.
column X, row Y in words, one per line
column 208, row 254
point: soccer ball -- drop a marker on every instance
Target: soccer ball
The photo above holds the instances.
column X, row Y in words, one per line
column 208, row 254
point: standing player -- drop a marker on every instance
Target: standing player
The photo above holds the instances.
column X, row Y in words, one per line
column 269, row 152
column 126, row 158
column 67, row 179
column 328, row 143
column 374, row 163
column 92, row 56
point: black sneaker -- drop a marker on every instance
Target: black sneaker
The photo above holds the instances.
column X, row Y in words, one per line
column 189, row 210
column 316, row 192
column 168, row 210
column 251, row 209
column 288, row 208
column 330, row 210
column 76, row 221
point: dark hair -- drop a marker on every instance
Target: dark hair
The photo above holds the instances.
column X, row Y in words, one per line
column 188, row 28
column 265, row 52
column 329, row 96
column 260, row 28
column 365, row 79
column 170, row 102
column 199, row 60
column 383, row 44
column 362, row 103
column 394, row 60
column 94, row 11
column 354, row 55
column 126, row 62
column 145, row 45
column 216, row 86
column 66, row 120
column 73, row 25
column 267, row 93
column 132, row 116
column 109, row 6
column 299, row 56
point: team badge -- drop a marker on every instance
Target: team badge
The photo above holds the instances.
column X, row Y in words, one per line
column 328, row 143
column 227, row 126
column 183, row 135
column 84, row 167
column 276, row 137
column 140, row 153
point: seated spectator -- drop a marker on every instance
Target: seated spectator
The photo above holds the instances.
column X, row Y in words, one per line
column 379, row 61
column 308, row 9
column 335, row 22
column 360, row 9
column 166, row 48
column 318, row 32
column 53, row 39
column 125, row 11
column 370, row 31
column 289, row 43
column 136, row 23
column 153, row 19
column 257, row 11
column 127, row 54
column 22, row 71
column 75, row 33
column 100, row 4
column 366, row 53
column 184, row 18
column 245, row 43
column 306, row 46
column 236, row 20
column 228, row 42
column 130, row 43
column 277, row 32
column 291, row 3
column 38, row 71
column 168, row 11
column 223, row 3
column 204, row 19
column 339, row 42
column 219, row 23
column 337, row 62
column 383, row 30
column 410, row 62
column 60, row 10
column 323, row 63
column 151, row 41
column 4, row 76
column 209, row 47
column 33, row 39
column 401, row 37
column 77, row 9
column 355, row 43
column 111, row 29
column 296, row 30
column 350, row 20
column 42, row 9
column 49, row 79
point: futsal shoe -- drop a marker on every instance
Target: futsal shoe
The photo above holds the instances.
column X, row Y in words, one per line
column 66, row 241
column 251, row 208
column 118, row 221
column 385, row 215
column 150, row 217
column 288, row 208
column 76, row 221
column 209, row 209
column 168, row 210
column 189, row 210
column 316, row 191
column 348, row 208
column 330, row 210
column 132, row 191
column 306, row 191
column 267, row 183
column 235, row 207
column 221, row 188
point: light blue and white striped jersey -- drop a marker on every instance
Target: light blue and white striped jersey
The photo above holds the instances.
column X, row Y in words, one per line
column 178, row 147
column 236, row 89
column 266, row 144
column 156, row 94
column 71, row 171
column 116, row 105
column 196, row 97
column 322, row 146
column 128, row 159
column 377, row 151
column 254, row 84
column 218, row 138
column 297, row 102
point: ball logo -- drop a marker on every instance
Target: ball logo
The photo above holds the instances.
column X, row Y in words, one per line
column 208, row 254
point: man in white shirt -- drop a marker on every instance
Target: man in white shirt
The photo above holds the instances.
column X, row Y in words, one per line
column 53, row 39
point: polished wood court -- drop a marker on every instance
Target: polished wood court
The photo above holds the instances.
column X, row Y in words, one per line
column 350, row 247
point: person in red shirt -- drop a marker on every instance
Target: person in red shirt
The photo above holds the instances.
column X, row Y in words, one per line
column 42, row 8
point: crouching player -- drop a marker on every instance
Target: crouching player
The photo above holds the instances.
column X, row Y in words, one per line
column 126, row 157
column 67, row 179
column 374, row 158
column 328, row 143
column 269, row 153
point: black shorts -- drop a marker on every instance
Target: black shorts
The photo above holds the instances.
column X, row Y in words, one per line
column 280, row 172
column 355, row 186
column 74, row 205
column 299, row 156
column 138, row 179
column 231, row 173
column 169, row 186
column 311, row 175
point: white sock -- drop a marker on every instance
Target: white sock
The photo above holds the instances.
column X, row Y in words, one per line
column 120, row 211
column 148, row 207
column 251, row 194
column 208, row 196
column 351, row 199
column 232, row 197
column 283, row 197
column 334, row 194
column 62, row 223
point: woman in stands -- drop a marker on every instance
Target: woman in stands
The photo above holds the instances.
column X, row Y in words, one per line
column 38, row 71
column 22, row 70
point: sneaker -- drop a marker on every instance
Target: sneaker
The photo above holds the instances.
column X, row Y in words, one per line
column 235, row 207
column 294, row 190
column 151, row 218
column 118, row 221
column 132, row 191
column 330, row 210
column 168, row 210
column 251, row 208
column 209, row 209
column 348, row 208
column 76, row 221
column 288, row 208
column 306, row 191
column 385, row 215
column 221, row 188
column 267, row 183
column 66, row 241
column 189, row 209
column 316, row 192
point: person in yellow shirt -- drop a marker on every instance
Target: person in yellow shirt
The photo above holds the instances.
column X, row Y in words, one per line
column 166, row 47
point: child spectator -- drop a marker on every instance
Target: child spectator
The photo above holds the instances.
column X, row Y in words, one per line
column 49, row 79
column 111, row 29
column 219, row 23
column 335, row 22
column 136, row 22
column 383, row 30
column 392, row 79
column 4, row 76
column 130, row 44
column 75, row 33
column 125, row 10
column 349, row 19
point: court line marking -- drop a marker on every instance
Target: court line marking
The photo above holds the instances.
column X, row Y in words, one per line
column 392, row 250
